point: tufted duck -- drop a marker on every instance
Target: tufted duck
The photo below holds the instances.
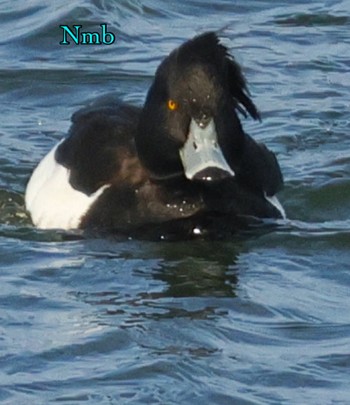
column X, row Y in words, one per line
column 181, row 159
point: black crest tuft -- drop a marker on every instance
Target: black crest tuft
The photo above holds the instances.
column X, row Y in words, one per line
column 207, row 48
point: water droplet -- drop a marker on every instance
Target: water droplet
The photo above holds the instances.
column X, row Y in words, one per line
column 197, row 231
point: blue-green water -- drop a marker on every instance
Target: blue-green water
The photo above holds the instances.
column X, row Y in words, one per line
column 261, row 319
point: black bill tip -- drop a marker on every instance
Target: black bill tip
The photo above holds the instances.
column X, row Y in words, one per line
column 212, row 174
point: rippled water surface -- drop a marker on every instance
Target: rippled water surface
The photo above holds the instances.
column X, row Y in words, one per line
column 263, row 318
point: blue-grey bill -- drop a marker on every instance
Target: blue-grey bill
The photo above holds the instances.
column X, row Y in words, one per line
column 201, row 155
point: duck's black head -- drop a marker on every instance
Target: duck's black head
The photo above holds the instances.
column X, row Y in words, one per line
column 189, row 124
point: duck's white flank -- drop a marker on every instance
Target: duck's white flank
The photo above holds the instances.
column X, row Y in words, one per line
column 274, row 201
column 52, row 201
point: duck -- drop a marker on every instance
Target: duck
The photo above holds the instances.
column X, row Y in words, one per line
column 182, row 162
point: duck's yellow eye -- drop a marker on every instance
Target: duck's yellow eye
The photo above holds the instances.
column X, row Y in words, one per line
column 172, row 105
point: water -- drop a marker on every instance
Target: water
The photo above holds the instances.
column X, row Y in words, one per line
column 260, row 319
